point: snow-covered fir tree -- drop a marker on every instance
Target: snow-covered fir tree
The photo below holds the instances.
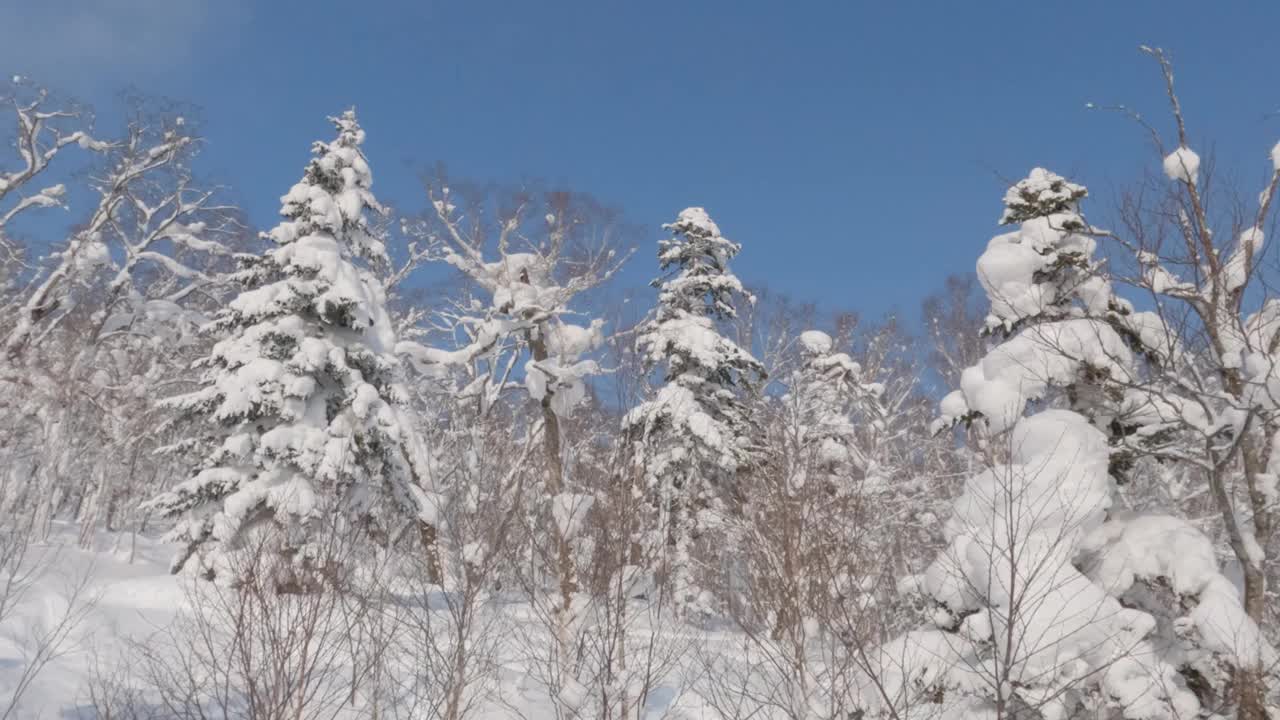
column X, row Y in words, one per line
column 822, row 399
column 300, row 398
column 695, row 435
column 1050, row 598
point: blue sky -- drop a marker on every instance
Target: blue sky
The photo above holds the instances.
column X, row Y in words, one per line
column 855, row 149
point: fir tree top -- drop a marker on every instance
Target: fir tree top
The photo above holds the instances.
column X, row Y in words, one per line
column 325, row 228
column 698, row 256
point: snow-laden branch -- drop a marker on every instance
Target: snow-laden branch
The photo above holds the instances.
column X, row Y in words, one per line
column 133, row 160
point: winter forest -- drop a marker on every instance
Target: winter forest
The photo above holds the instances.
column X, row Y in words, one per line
column 442, row 461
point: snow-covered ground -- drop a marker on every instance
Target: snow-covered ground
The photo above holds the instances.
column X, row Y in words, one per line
column 72, row 612
column 75, row 626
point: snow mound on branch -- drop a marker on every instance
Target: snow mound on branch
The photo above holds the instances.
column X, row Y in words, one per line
column 677, row 408
column 571, row 341
column 690, row 338
column 816, row 342
column 1248, row 248
column 1182, row 164
column 1275, row 157
column 1260, row 366
column 1023, row 368
column 1150, row 547
column 90, row 253
column 1057, row 477
column 1015, row 264
column 566, row 384
column 908, row 666
column 562, row 375
column 570, row 510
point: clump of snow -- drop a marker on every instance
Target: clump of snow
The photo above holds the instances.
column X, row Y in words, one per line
column 1023, row 368
column 86, row 142
column 1275, row 157
column 1152, row 546
column 1148, row 547
column 568, row 341
column 89, row 253
column 564, row 383
column 563, row 375
column 473, row 553
column 1183, row 165
column 1248, row 248
column 903, row 671
column 1260, row 366
column 677, row 408
column 570, row 510
column 816, row 342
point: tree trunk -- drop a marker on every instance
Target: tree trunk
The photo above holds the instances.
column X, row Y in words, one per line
column 565, row 570
column 429, row 537
column 1250, row 681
